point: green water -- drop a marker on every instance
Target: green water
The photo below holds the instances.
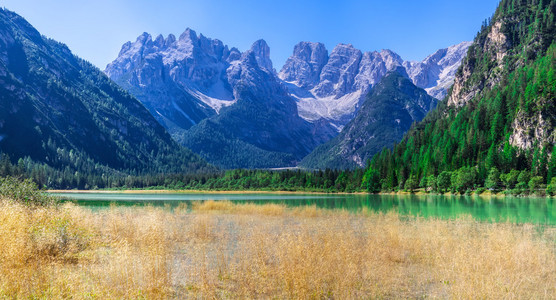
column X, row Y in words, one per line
column 517, row 210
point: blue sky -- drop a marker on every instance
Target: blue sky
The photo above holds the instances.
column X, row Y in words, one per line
column 96, row 30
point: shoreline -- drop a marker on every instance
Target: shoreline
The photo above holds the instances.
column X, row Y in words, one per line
column 196, row 192
column 399, row 193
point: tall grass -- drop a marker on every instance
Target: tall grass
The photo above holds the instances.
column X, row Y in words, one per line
column 224, row 250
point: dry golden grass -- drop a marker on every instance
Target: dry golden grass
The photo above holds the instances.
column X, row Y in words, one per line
column 224, row 250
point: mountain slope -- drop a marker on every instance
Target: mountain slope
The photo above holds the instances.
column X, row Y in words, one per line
column 60, row 110
column 501, row 112
column 390, row 109
column 262, row 129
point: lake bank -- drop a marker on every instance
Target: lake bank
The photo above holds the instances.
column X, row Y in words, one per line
column 143, row 191
column 485, row 194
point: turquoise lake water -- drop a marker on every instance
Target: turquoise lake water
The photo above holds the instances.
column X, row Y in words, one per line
column 513, row 209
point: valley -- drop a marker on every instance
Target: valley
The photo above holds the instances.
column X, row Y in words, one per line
column 191, row 169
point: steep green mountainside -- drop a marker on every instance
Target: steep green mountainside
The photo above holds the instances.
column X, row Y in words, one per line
column 500, row 115
column 61, row 111
column 385, row 116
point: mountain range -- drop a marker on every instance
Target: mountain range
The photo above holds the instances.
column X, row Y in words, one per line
column 237, row 111
column 333, row 86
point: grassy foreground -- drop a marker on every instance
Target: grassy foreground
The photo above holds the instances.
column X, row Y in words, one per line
column 224, row 250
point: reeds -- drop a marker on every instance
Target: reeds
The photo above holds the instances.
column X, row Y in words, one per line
column 227, row 250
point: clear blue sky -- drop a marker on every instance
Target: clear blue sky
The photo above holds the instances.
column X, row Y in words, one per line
column 95, row 30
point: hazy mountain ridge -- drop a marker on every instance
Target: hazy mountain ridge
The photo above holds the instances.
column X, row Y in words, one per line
column 227, row 88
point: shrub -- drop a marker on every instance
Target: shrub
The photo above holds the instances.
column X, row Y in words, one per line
column 443, row 181
column 551, row 188
column 411, row 184
column 535, row 183
column 493, row 180
column 24, row 191
column 480, row 190
column 510, row 179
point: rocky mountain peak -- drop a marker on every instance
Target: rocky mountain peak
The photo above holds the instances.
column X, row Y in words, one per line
column 437, row 71
column 338, row 75
column 233, row 55
column 159, row 41
column 261, row 50
column 305, row 65
column 391, row 59
column 189, row 35
column 144, row 38
column 170, row 40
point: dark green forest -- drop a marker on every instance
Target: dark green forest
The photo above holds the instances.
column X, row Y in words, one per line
column 236, row 180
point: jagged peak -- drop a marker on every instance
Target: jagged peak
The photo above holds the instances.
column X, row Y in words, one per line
column 170, row 39
column 342, row 46
column 260, row 44
column 249, row 58
column 188, row 34
column 159, row 41
column 144, row 37
column 261, row 51
column 308, row 51
column 312, row 45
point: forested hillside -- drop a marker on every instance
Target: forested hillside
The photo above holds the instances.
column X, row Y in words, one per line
column 497, row 127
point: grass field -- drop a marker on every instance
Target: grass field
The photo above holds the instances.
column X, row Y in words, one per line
column 224, row 250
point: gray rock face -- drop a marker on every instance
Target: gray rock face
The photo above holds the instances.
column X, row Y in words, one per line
column 262, row 54
column 181, row 81
column 333, row 87
column 436, row 73
column 338, row 75
column 305, row 65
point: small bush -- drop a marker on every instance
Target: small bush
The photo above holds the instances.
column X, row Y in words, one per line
column 551, row 188
column 24, row 192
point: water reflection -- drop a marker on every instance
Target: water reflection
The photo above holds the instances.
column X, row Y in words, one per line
column 519, row 210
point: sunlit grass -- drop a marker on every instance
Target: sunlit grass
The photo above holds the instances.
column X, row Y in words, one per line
column 227, row 250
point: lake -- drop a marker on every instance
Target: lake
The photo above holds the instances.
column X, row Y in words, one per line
column 513, row 209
